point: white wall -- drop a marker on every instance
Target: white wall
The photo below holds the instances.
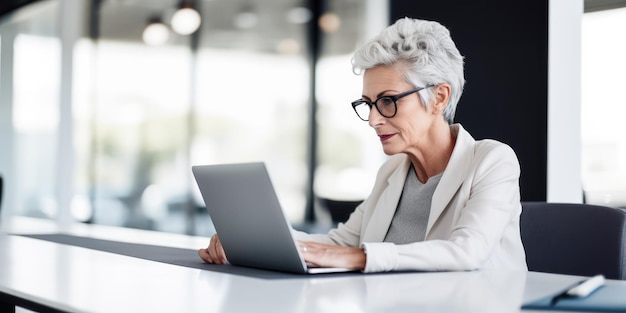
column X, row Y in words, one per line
column 564, row 182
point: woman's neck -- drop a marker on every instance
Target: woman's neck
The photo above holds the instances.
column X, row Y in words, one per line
column 432, row 157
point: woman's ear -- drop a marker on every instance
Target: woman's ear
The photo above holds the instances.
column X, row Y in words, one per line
column 442, row 95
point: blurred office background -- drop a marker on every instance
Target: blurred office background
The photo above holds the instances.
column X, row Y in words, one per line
column 106, row 104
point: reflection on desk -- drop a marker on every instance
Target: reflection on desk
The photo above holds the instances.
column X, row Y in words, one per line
column 488, row 291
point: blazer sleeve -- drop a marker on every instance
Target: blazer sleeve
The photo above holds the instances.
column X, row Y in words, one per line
column 486, row 207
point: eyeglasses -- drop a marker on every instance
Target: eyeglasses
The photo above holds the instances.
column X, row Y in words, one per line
column 386, row 105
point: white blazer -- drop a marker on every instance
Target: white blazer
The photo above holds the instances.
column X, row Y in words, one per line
column 474, row 216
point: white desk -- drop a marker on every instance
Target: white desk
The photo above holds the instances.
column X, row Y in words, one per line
column 68, row 278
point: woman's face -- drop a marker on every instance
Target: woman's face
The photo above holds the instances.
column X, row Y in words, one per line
column 408, row 130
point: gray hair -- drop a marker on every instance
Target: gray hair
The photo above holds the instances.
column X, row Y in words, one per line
column 426, row 52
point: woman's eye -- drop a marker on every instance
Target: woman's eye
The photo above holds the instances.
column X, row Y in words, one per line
column 385, row 102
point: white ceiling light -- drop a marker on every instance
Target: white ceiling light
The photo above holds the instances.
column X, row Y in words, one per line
column 186, row 20
column 298, row 15
column 156, row 33
column 329, row 22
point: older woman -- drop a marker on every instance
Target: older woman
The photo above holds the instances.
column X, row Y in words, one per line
column 442, row 201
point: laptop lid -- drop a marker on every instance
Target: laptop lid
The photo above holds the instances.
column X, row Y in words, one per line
column 247, row 215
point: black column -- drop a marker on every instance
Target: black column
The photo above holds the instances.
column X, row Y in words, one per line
column 314, row 47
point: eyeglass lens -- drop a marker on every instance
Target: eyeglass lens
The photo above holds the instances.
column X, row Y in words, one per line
column 386, row 107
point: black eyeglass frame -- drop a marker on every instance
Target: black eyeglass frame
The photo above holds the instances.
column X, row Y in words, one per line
column 393, row 98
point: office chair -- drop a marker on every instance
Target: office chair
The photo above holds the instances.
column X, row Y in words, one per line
column 574, row 239
column 339, row 210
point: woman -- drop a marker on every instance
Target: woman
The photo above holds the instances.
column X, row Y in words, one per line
column 443, row 201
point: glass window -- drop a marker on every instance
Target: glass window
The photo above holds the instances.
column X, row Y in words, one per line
column 135, row 132
column 238, row 90
column 252, row 107
column 349, row 150
column 146, row 113
column 36, row 82
column 604, row 107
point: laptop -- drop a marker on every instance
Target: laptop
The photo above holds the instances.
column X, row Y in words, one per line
column 245, row 211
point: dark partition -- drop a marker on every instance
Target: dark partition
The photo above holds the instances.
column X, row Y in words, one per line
column 505, row 45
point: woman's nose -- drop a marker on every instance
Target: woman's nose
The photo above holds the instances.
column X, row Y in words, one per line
column 375, row 118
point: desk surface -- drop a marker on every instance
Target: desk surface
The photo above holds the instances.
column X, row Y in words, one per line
column 76, row 279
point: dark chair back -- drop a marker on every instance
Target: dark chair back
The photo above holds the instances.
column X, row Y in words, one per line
column 339, row 210
column 574, row 239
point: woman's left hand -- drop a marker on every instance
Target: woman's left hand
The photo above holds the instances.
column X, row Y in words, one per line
column 332, row 256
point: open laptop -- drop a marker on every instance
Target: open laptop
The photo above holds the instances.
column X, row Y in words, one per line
column 247, row 215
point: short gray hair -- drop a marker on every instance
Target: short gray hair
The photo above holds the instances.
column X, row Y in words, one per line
column 425, row 50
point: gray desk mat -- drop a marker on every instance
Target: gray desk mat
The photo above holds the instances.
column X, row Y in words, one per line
column 170, row 255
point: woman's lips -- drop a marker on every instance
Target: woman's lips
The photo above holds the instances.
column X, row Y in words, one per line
column 385, row 137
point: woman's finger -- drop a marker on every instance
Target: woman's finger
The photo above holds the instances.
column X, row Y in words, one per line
column 216, row 251
column 221, row 255
column 204, row 255
column 211, row 249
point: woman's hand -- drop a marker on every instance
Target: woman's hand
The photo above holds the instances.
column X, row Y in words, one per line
column 325, row 255
column 214, row 253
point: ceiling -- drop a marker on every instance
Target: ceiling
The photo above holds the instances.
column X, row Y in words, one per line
column 599, row 5
column 124, row 20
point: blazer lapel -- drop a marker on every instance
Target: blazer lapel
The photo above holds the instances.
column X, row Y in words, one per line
column 385, row 207
column 453, row 175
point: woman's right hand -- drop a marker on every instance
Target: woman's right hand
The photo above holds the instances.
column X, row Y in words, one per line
column 214, row 253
